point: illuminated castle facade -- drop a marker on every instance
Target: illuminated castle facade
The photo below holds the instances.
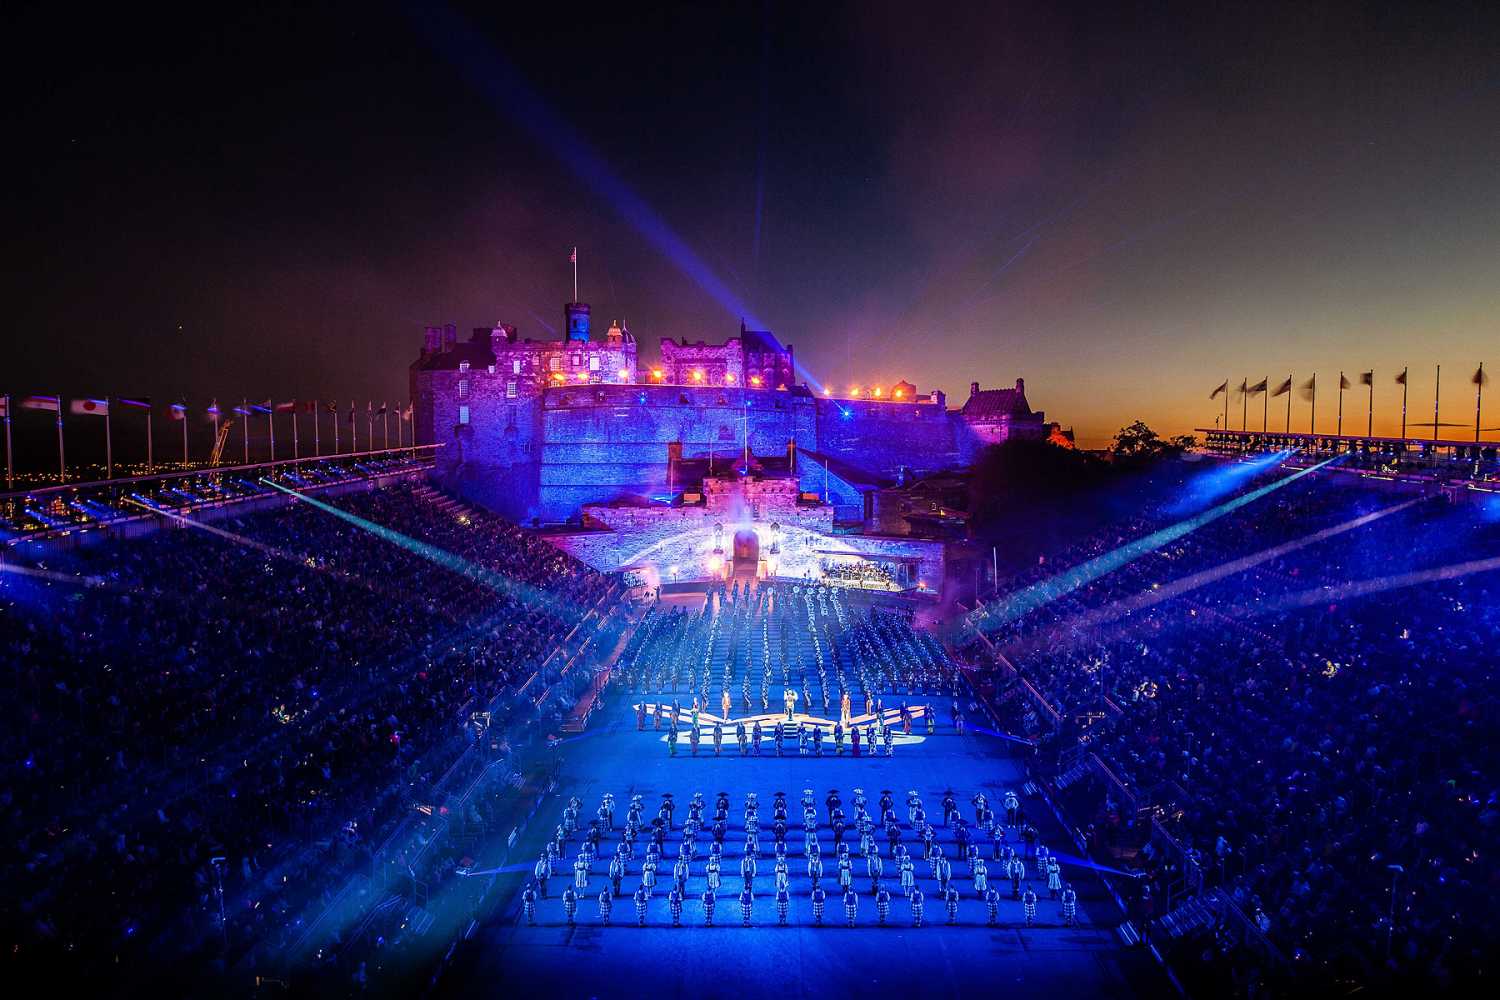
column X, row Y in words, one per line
column 540, row 430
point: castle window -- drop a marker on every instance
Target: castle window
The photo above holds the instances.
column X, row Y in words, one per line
column 463, row 366
column 492, row 369
column 554, row 363
column 515, row 367
column 682, row 398
column 463, row 388
column 463, row 414
column 510, row 389
column 725, row 434
column 593, row 362
column 577, row 360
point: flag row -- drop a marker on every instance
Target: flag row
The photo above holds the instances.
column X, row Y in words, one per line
column 1308, row 391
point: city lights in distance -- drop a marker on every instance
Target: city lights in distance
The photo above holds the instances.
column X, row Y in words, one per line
column 624, row 374
column 755, row 380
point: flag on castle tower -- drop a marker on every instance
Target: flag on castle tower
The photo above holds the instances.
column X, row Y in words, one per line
column 1480, row 377
column 1284, row 388
column 1344, row 382
column 1258, row 387
column 52, row 404
column 1401, row 378
column 1223, row 387
column 1367, row 378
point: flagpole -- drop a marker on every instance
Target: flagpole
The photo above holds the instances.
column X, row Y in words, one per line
column 150, row 455
column 1370, row 413
column 62, row 461
column 10, row 469
column 245, row 428
column 184, row 437
column 1437, row 389
column 385, row 427
column 1245, row 404
column 1339, row 427
column 574, row 256
column 317, row 444
column 271, row 423
column 1404, row 380
column 1312, row 416
column 1265, row 406
column 1478, row 398
column 335, row 427
column 1226, row 404
column 1289, row 402
column 296, row 453
column 109, row 447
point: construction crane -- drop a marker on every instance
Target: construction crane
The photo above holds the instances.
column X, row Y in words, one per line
column 219, row 442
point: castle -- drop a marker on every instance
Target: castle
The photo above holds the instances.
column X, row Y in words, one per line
column 545, row 430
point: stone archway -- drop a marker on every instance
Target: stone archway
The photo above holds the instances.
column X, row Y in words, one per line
column 746, row 552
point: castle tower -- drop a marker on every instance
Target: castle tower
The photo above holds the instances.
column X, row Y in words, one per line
column 576, row 316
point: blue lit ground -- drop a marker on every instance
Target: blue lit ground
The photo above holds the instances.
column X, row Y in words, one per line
column 553, row 960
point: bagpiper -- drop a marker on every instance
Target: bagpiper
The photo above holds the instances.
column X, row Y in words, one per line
column 981, row 877
column 674, row 905
column 570, row 904
column 908, row 875
column 528, row 903
column 882, row 904
column 580, row 873
column 1069, row 906
column 616, row 872
column 541, row 873
column 709, row 899
column 819, row 897
column 641, row 898
column 718, row 739
column 950, row 901
column 851, row 905
column 1028, row 903
column 747, row 904
column 992, row 902
column 917, row 902
column 1054, row 878
column 606, row 904
column 783, row 903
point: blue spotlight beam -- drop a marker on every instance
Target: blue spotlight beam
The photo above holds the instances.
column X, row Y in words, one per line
column 1193, row 581
column 432, row 553
column 1363, row 588
column 1022, row 603
column 513, row 95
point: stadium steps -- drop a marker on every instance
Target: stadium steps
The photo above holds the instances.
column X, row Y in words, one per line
column 1072, row 775
column 417, row 920
column 1199, row 912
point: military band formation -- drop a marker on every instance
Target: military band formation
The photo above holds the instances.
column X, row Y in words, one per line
column 840, row 855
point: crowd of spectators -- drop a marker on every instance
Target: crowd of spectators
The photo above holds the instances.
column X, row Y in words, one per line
column 273, row 690
column 1325, row 755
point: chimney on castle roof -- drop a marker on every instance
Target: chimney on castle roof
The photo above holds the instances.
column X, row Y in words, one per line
column 450, row 337
column 1021, row 386
column 973, row 389
column 432, row 340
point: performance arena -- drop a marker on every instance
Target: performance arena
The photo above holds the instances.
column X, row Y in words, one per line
column 351, row 734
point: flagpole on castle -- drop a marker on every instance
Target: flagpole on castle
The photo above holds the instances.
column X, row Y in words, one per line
column 109, row 447
column 1265, row 404
column 1403, row 406
column 1289, row 402
column 296, row 453
column 10, row 469
column 1437, row 388
column 1478, row 398
column 1339, row 427
column 317, row 445
column 1226, row 404
column 1370, row 413
column 62, row 462
column 573, row 257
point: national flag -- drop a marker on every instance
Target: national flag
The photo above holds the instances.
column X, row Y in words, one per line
column 1480, row 378
column 143, row 403
column 310, row 406
column 1244, row 387
column 381, row 412
column 89, row 407
column 1367, row 378
column 52, row 404
column 4, row 407
column 406, row 413
column 1344, row 382
column 1284, row 388
column 261, row 407
column 212, row 413
column 351, row 411
column 1223, row 387
column 1258, row 387
column 286, row 407
column 333, row 406
column 573, row 257
column 1309, row 388
column 179, row 411
column 1401, row 379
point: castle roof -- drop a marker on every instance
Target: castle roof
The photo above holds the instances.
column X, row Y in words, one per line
column 996, row 404
column 476, row 352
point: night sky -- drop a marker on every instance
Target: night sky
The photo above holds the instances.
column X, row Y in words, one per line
column 1123, row 205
